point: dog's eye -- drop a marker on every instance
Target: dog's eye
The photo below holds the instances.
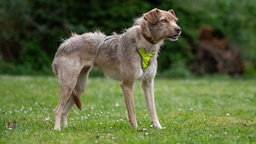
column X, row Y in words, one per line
column 164, row 20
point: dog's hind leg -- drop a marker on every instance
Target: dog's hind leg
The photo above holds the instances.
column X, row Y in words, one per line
column 77, row 92
column 67, row 75
column 65, row 96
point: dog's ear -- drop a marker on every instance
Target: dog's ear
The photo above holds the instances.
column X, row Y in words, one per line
column 172, row 12
column 152, row 16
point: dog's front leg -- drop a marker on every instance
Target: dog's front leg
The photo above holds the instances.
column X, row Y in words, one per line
column 148, row 88
column 127, row 88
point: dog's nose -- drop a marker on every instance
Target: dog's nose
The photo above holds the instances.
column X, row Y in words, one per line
column 177, row 30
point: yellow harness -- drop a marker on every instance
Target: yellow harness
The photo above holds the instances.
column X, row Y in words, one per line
column 145, row 57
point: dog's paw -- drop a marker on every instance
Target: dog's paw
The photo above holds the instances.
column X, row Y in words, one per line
column 134, row 125
column 57, row 129
column 156, row 126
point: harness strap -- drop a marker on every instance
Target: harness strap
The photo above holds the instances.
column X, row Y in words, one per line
column 145, row 57
column 106, row 38
column 101, row 43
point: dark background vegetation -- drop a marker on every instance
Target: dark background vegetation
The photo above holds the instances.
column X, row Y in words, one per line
column 31, row 30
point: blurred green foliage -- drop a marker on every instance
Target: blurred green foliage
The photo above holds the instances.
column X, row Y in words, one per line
column 31, row 30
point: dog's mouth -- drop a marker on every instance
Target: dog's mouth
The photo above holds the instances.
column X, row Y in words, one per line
column 174, row 37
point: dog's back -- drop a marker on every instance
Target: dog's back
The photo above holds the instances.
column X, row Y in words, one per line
column 76, row 43
column 83, row 47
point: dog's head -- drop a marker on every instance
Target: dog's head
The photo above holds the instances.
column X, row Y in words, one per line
column 162, row 24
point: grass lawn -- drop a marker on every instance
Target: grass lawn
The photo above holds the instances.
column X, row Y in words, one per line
column 192, row 111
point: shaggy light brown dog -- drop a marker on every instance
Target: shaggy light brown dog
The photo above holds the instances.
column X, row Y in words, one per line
column 125, row 57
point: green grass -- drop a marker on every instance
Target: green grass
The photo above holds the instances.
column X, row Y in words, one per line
column 192, row 111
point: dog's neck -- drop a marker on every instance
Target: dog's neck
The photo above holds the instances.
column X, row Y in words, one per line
column 149, row 39
column 142, row 42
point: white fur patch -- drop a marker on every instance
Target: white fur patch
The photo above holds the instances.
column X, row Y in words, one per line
column 149, row 72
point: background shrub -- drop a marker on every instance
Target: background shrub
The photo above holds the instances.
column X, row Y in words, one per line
column 31, row 30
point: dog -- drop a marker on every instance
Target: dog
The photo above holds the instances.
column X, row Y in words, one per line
column 126, row 57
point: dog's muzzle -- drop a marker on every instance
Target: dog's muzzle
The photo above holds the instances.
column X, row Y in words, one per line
column 175, row 36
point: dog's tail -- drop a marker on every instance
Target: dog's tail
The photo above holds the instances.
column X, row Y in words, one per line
column 77, row 101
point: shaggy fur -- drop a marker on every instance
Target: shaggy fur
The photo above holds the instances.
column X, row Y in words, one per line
column 118, row 58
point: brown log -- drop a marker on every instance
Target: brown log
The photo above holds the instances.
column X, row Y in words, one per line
column 216, row 54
